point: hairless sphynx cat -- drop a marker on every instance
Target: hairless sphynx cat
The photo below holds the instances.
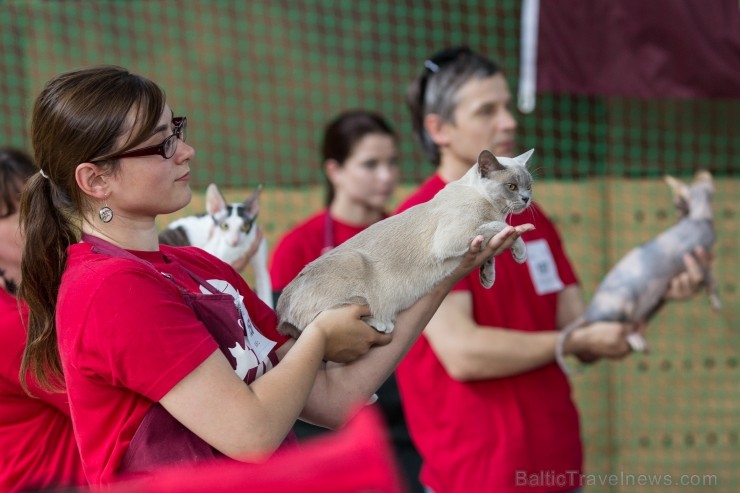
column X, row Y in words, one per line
column 633, row 290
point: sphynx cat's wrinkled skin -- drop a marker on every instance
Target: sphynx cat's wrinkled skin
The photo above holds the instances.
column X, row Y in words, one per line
column 634, row 289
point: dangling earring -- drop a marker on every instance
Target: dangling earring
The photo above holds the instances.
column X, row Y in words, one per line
column 105, row 213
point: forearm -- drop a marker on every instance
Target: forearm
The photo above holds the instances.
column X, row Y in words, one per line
column 496, row 352
column 339, row 387
column 246, row 422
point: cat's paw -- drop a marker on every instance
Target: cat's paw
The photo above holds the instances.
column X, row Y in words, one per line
column 379, row 325
column 519, row 251
column 487, row 273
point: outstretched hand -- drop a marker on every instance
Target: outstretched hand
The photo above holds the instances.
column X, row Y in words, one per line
column 479, row 253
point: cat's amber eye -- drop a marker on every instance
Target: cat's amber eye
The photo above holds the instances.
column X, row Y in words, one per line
column 246, row 227
column 224, row 226
column 512, row 187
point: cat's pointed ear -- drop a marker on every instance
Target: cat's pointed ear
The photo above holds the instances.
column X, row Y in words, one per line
column 252, row 204
column 680, row 194
column 703, row 176
column 488, row 163
column 215, row 202
column 523, row 158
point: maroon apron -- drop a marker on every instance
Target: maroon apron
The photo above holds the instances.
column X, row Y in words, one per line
column 161, row 439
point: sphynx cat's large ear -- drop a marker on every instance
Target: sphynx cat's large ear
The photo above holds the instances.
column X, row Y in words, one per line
column 487, row 163
column 215, row 202
column 523, row 158
column 680, row 194
column 703, row 176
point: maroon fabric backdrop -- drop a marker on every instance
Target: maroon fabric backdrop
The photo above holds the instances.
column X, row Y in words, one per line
column 637, row 48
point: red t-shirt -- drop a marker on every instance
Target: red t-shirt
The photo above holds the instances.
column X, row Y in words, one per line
column 304, row 244
column 495, row 434
column 37, row 445
column 126, row 337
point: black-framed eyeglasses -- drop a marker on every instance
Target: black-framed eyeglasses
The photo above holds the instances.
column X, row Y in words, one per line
column 166, row 149
column 435, row 63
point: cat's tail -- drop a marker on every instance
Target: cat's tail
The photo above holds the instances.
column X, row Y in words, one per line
column 565, row 333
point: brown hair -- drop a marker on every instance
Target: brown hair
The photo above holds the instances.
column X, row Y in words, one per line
column 80, row 116
column 15, row 168
column 344, row 132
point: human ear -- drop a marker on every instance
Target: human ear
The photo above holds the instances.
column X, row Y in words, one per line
column 332, row 169
column 91, row 180
column 436, row 128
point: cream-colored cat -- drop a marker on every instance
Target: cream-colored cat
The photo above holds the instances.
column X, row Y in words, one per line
column 395, row 262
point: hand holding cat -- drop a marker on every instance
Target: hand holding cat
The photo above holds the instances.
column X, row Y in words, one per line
column 347, row 337
column 601, row 340
column 685, row 285
column 478, row 253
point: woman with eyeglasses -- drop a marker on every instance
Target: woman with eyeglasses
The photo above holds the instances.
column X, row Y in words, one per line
column 503, row 416
column 26, row 421
column 166, row 354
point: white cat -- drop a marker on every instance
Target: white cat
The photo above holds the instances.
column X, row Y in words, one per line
column 393, row 263
column 226, row 231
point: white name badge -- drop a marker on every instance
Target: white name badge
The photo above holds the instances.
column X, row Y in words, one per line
column 260, row 344
column 255, row 341
column 542, row 268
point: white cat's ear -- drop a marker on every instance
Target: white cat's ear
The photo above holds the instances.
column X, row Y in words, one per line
column 523, row 158
column 252, row 204
column 487, row 163
column 215, row 202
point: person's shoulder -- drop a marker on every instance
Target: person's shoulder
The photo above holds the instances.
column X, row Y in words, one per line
column 310, row 224
column 197, row 259
column 188, row 254
column 87, row 265
column 424, row 193
column 307, row 231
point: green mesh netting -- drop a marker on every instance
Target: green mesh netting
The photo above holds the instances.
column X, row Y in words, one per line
column 258, row 79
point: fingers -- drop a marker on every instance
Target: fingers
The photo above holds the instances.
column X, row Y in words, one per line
column 477, row 244
column 693, row 269
column 240, row 263
column 361, row 310
column 383, row 339
column 687, row 284
column 506, row 238
column 255, row 244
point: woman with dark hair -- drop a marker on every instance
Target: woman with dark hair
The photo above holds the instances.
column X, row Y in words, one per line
column 360, row 161
column 359, row 154
column 166, row 354
column 36, row 438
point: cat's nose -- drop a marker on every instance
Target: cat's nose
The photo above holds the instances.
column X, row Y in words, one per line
column 525, row 199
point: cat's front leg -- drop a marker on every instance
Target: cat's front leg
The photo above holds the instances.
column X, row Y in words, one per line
column 519, row 251
column 487, row 273
column 386, row 327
